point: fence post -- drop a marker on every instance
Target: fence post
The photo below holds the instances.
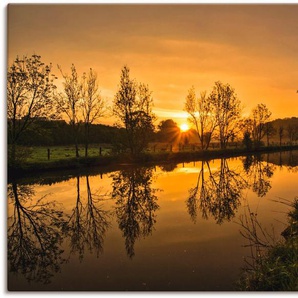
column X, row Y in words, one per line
column 100, row 151
column 49, row 154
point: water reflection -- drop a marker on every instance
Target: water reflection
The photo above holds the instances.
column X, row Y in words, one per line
column 128, row 199
column 88, row 222
column 35, row 233
column 259, row 172
column 136, row 204
column 217, row 193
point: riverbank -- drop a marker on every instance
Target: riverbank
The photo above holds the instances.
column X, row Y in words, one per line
column 276, row 269
column 144, row 159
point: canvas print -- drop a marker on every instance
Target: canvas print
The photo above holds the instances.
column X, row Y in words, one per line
column 152, row 147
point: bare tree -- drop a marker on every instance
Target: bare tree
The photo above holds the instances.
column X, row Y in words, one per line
column 246, row 127
column 269, row 131
column 201, row 115
column 133, row 107
column 30, row 87
column 292, row 131
column 260, row 115
column 280, row 134
column 227, row 111
column 69, row 101
column 92, row 104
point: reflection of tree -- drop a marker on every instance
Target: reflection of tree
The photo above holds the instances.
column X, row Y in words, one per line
column 135, row 204
column 96, row 220
column 219, row 195
column 88, row 222
column 76, row 225
column 35, row 233
column 168, row 167
column 198, row 193
column 259, row 173
column 226, row 188
column 247, row 163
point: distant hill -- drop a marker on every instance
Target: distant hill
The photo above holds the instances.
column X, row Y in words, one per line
column 285, row 122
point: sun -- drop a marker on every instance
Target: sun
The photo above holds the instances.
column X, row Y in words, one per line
column 184, row 127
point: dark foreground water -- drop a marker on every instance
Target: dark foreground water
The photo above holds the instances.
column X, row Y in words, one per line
column 163, row 228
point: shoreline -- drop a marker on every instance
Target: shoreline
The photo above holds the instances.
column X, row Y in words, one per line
column 146, row 159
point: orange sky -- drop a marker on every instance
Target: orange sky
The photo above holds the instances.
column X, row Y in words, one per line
column 254, row 48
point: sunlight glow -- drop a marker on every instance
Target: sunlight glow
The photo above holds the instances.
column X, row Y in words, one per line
column 184, row 127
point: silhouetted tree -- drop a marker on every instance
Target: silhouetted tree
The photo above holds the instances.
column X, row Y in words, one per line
column 226, row 110
column 68, row 102
column 292, row 131
column 247, row 141
column 168, row 131
column 201, row 115
column 269, row 131
column 280, row 134
column 30, row 87
column 135, row 204
column 92, row 104
column 246, row 127
column 35, row 234
column 260, row 115
column 133, row 107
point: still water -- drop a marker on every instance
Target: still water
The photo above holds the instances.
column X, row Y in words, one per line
column 161, row 228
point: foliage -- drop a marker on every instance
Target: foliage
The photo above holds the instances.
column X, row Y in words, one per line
column 133, row 108
column 247, row 141
column 168, row 131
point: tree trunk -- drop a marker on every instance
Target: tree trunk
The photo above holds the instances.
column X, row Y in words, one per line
column 75, row 136
column 86, row 139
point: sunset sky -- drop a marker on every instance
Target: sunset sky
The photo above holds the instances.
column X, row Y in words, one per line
column 254, row 48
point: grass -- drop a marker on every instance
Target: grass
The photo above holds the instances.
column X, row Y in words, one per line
column 57, row 153
column 63, row 157
column 276, row 269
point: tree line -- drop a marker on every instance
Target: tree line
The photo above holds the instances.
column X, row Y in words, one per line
column 33, row 99
column 218, row 116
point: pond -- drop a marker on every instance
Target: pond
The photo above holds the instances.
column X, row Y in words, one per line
column 173, row 227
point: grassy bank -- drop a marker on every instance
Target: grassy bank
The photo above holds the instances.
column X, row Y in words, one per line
column 60, row 159
column 277, row 268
